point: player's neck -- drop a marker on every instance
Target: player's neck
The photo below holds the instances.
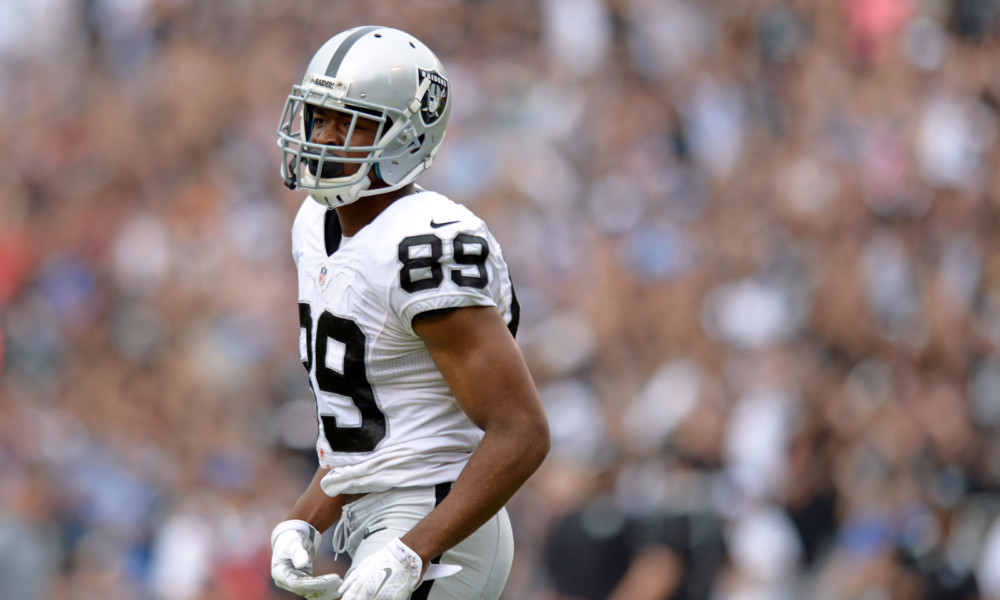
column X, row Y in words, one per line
column 356, row 215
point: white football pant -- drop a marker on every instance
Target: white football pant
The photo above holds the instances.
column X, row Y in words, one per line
column 369, row 523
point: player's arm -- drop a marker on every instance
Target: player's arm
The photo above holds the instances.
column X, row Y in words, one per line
column 315, row 507
column 294, row 542
column 486, row 371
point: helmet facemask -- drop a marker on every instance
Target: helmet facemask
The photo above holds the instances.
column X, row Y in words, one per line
column 319, row 168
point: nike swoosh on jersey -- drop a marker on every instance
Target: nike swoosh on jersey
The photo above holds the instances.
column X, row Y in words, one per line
column 435, row 225
column 371, row 532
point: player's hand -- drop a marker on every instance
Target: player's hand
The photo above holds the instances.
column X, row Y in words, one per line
column 392, row 573
column 293, row 548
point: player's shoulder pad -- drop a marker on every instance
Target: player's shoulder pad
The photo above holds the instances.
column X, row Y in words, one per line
column 443, row 257
column 431, row 213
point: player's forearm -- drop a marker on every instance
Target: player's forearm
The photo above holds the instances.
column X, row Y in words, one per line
column 490, row 380
column 316, row 507
column 504, row 460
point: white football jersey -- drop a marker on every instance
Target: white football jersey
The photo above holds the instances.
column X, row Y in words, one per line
column 387, row 418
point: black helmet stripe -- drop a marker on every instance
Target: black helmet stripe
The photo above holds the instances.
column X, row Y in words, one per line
column 338, row 56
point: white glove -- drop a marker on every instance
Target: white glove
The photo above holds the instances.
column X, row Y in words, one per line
column 392, row 573
column 293, row 547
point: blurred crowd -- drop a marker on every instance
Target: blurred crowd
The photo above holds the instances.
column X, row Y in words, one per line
column 754, row 242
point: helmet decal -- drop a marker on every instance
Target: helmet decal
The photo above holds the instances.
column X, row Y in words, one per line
column 433, row 103
column 338, row 56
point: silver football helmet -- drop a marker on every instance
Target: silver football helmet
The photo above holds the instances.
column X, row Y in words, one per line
column 368, row 72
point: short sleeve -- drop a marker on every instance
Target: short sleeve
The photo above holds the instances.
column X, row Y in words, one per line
column 452, row 268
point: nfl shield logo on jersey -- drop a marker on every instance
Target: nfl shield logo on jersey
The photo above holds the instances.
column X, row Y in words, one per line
column 321, row 279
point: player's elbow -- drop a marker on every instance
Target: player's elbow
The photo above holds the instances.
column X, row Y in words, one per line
column 523, row 435
column 543, row 445
column 538, row 441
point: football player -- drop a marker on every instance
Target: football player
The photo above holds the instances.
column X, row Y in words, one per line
column 428, row 417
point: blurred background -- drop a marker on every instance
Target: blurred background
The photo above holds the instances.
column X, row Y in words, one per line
column 755, row 243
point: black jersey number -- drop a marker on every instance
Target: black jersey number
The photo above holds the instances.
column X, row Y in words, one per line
column 350, row 381
column 420, row 256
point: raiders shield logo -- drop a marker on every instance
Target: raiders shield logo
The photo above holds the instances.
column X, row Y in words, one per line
column 436, row 98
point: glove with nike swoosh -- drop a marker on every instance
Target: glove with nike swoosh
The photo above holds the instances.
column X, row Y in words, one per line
column 293, row 548
column 392, row 573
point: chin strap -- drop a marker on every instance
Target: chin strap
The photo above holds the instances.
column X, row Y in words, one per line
column 290, row 180
column 357, row 190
